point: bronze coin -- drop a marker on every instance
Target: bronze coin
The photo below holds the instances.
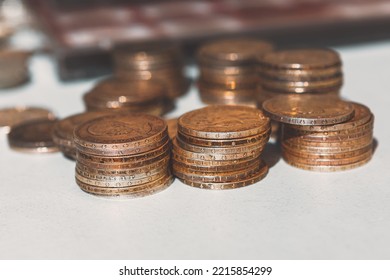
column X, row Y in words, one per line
column 303, row 59
column 33, row 137
column 260, row 138
column 130, row 192
column 291, row 86
column 256, row 177
column 114, row 134
column 331, row 139
column 361, row 116
column 299, row 74
column 13, row 116
column 172, row 127
column 326, row 149
column 308, row 109
column 222, row 122
column 233, row 51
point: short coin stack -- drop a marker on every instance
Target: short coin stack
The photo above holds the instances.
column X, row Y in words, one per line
column 219, row 147
column 62, row 133
column 313, row 71
column 323, row 133
column 157, row 62
column 227, row 70
column 123, row 155
column 13, row 67
column 133, row 96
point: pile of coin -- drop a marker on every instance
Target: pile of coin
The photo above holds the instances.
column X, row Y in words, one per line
column 62, row 133
column 219, row 147
column 157, row 62
column 134, row 96
column 123, row 155
column 323, row 133
column 228, row 70
column 13, row 67
column 313, row 71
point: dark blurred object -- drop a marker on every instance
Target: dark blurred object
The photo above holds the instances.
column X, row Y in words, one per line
column 83, row 32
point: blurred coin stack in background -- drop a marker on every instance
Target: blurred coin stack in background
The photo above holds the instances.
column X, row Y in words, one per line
column 303, row 71
column 129, row 95
column 219, row 147
column 63, row 131
column 228, row 70
column 157, row 62
column 323, row 133
column 13, row 68
column 124, row 155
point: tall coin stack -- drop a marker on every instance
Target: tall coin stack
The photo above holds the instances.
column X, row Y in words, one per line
column 312, row 71
column 123, row 155
column 219, row 147
column 158, row 62
column 323, row 133
column 228, row 70
column 133, row 96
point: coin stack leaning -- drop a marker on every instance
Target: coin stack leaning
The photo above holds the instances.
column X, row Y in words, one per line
column 312, row 71
column 62, row 133
column 133, row 96
column 157, row 62
column 123, row 155
column 323, row 133
column 13, row 67
column 219, row 147
column 228, row 70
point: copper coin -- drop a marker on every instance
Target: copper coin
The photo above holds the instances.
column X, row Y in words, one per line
column 301, row 59
column 327, row 144
column 290, row 86
column 129, row 192
column 299, row 74
column 233, row 51
column 222, row 122
column 33, row 137
column 332, row 139
column 308, row 109
column 260, row 138
column 326, row 149
column 13, row 116
column 111, row 135
column 256, row 177
column 172, row 127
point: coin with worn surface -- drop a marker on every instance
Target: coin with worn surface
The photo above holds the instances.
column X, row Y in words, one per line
column 301, row 59
column 308, row 109
column 33, row 137
column 255, row 177
column 241, row 50
column 223, row 122
column 12, row 116
column 114, row 133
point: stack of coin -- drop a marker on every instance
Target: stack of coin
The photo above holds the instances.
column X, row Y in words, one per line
column 323, row 133
column 227, row 70
column 313, row 71
column 63, row 131
column 13, row 68
column 135, row 96
column 123, row 155
column 219, row 147
column 157, row 62
column 33, row 137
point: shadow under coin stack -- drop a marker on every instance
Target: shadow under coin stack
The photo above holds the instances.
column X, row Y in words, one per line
column 313, row 71
column 323, row 133
column 157, row 62
column 228, row 71
column 123, row 155
column 131, row 96
column 219, row 147
column 63, row 131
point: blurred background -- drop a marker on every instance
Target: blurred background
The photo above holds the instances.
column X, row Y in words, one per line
column 81, row 34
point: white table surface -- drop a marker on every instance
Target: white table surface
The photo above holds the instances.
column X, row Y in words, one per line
column 291, row 214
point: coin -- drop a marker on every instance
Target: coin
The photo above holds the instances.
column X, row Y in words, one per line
column 13, row 116
column 223, row 122
column 111, row 135
column 301, row 59
column 308, row 109
column 33, row 137
column 172, row 127
column 256, row 177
